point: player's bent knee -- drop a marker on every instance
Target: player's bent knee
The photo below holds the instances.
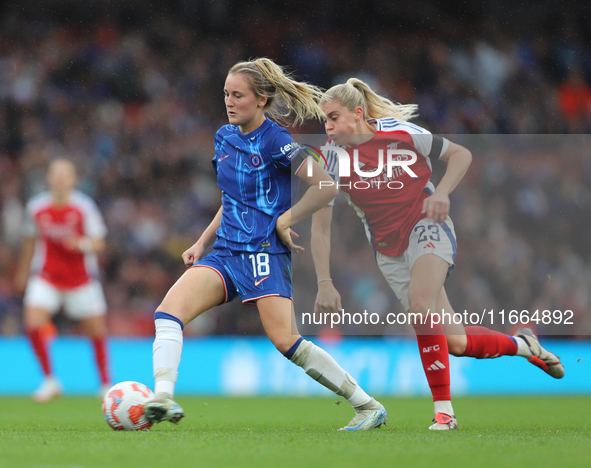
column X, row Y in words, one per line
column 419, row 305
column 456, row 350
column 95, row 330
column 36, row 318
column 456, row 345
column 178, row 312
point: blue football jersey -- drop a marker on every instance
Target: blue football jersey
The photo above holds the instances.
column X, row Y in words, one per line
column 254, row 174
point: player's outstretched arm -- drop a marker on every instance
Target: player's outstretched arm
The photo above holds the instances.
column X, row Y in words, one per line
column 85, row 244
column 328, row 299
column 194, row 253
column 24, row 263
column 321, row 192
column 458, row 160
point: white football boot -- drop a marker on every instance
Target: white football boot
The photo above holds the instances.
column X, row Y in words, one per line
column 540, row 357
column 163, row 408
column 369, row 416
column 444, row 422
column 50, row 389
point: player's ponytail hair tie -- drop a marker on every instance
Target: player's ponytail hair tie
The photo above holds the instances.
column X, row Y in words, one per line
column 286, row 97
column 356, row 93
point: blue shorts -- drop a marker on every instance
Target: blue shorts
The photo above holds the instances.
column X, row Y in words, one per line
column 251, row 276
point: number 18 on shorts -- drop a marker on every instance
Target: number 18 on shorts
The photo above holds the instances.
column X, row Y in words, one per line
column 253, row 275
column 258, row 275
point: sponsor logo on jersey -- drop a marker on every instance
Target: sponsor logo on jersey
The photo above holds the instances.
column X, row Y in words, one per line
column 224, row 157
column 265, row 244
column 57, row 230
column 289, row 150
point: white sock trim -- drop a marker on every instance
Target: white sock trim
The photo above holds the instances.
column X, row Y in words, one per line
column 444, row 406
column 166, row 357
column 164, row 386
column 359, row 397
column 522, row 348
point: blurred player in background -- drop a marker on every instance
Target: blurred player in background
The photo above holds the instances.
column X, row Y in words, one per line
column 254, row 161
column 63, row 232
column 407, row 223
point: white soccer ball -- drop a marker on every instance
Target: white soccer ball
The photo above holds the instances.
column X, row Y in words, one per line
column 123, row 406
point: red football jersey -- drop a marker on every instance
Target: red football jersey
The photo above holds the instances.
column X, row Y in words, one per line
column 389, row 202
column 52, row 226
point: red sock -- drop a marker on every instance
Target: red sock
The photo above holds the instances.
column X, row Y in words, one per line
column 484, row 343
column 435, row 359
column 40, row 347
column 100, row 354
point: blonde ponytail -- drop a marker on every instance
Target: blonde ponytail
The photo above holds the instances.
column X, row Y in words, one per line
column 356, row 93
column 285, row 96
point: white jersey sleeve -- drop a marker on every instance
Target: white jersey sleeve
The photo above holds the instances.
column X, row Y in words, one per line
column 39, row 202
column 29, row 228
column 332, row 163
column 94, row 225
column 429, row 145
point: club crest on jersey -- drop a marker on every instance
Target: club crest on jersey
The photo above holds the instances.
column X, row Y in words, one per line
column 256, row 160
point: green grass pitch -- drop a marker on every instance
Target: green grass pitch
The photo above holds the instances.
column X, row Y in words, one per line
column 525, row 432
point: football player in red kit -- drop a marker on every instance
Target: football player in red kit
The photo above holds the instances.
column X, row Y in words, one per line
column 406, row 221
column 63, row 232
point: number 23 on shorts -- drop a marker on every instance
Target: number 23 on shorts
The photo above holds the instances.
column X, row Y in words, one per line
column 432, row 232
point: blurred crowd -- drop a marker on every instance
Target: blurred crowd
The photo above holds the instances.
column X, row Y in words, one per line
column 132, row 93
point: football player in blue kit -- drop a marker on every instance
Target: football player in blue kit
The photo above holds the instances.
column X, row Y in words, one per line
column 252, row 238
